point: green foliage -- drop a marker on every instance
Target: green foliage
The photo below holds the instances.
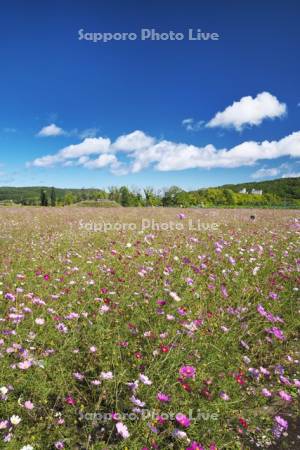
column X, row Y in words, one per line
column 276, row 193
column 53, row 197
column 44, row 198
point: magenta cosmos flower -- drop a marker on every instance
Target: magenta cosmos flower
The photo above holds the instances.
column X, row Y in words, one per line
column 187, row 371
column 195, row 446
column 163, row 397
column 183, row 420
column 276, row 332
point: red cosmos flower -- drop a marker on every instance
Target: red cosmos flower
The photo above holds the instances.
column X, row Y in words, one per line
column 138, row 355
column 46, row 277
column 206, row 393
column 186, row 387
column 164, row 348
column 107, row 301
column 243, row 422
column 239, row 378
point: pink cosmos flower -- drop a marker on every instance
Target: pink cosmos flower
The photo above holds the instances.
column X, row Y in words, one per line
column 24, row 365
column 78, row 376
column 106, row 375
column 224, row 396
column 276, row 332
column 93, row 349
column 70, row 400
column 280, row 425
column 62, row 328
column 122, row 430
column 282, row 422
column 3, row 424
column 39, row 321
column 144, row 379
column 224, row 291
column 183, row 420
column 28, row 404
column 187, row 371
column 137, row 401
column 285, row 396
column 266, row 393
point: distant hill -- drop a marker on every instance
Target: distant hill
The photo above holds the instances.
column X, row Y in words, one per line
column 31, row 195
column 284, row 192
column 288, row 188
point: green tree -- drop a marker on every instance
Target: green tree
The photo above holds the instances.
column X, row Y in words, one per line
column 229, row 197
column 43, row 198
column 53, row 197
column 69, row 198
column 125, row 196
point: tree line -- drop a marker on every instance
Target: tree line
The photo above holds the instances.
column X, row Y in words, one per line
column 276, row 193
column 174, row 196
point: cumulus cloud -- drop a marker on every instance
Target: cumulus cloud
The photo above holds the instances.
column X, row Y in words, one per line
column 135, row 141
column 102, row 161
column 51, row 130
column 191, row 125
column 266, row 173
column 89, row 146
column 249, row 111
column 143, row 151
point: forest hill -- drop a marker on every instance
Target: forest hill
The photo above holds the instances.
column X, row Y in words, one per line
column 276, row 193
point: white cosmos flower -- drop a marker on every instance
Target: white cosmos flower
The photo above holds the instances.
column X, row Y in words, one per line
column 3, row 390
column 15, row 420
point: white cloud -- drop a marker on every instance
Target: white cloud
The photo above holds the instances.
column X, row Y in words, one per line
column 191, row 125
column 88, row 146
column 249, row 111
column 143, row 151
column 51, row 130
column 135, row 141
column 266, row 173
column 291, row 175
column 102, row 161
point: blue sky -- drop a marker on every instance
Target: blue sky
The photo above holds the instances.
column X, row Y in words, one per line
column 76, row 113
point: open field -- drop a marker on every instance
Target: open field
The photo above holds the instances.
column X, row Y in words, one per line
column 177, row 336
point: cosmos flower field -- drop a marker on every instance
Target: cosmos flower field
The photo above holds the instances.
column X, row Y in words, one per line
column 148, row 339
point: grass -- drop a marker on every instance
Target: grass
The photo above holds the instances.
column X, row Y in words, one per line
column 90, row 312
